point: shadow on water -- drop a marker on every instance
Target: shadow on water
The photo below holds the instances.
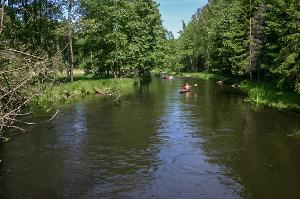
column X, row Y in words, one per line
column 157, row 143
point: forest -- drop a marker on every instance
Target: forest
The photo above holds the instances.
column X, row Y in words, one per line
column 241, row 40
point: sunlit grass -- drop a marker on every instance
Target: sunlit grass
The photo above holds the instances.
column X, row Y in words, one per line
column 83, row 85
column 201, row 75
column 295, row 135
column 265, row 93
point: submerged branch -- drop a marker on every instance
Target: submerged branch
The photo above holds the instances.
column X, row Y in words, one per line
column 56, row 113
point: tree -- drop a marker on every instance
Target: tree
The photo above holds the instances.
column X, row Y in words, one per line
column 70, row 40
column 283, row 47
column 257, row 36
column 241, row 38
column 120, row 37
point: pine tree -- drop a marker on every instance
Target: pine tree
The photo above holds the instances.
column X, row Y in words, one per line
column 257, row 36
column 283, row 48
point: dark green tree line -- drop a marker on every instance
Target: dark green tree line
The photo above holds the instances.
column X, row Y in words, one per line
column 248, row 39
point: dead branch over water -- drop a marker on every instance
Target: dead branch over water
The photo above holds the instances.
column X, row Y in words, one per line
column 22, row 77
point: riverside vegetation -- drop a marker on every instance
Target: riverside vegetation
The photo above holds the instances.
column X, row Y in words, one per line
column 64, row 91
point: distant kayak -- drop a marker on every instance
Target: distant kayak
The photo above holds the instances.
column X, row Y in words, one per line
column 168, row 77
column 184, row 90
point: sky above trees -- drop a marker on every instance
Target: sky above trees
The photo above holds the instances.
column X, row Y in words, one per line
column 174, row 11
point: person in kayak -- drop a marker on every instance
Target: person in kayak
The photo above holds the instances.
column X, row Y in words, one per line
column 187, row 86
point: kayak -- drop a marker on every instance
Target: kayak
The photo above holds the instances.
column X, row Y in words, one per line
column 184, row 90
column 168, row 77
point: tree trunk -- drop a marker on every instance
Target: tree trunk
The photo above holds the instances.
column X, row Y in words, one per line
column 1, row 16
column 265, row 73
column 70, row 38
column 207, row 47
column 250, row 41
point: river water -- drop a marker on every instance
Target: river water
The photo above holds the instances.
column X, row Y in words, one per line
column 157, row 143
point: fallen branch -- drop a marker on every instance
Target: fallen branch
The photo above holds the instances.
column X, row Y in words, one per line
column 4, row 139
column 56, row 113
column 22, row 105
column 16, row 120
column 9, row 50
column 18, row 128
column 13, row 70
column 22, row 78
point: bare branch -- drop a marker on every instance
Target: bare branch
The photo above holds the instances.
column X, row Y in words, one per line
column 18, row 128
column 20, row 106
column 4, row 139
column 56, row 113
column 9, row 50
column 16, row 88
column 16, row 120
column 22, row 77
column 12, row 70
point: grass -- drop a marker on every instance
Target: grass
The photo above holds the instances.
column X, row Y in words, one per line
column 200, row 75
column 295, row 135
column 83, row 85
column 266, row 94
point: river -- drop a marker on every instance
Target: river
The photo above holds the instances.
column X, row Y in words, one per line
column 157, row 143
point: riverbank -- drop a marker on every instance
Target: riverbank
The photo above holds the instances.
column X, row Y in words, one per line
column 200, row 75
column 295, row 135
column 62, row 91
column 260, row 93
column 267, row 94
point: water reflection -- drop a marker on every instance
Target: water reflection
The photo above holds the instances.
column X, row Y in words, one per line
column 252, row 145
column 184, row 171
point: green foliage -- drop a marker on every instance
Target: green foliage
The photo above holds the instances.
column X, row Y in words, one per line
column 266, row 93
column 200, row 75
column 283, row 49
column 122, row 38
column 242, row 39
column 32, row 24
column 216, row 39
column 83, row 85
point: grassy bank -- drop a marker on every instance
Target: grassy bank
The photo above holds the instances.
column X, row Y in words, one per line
column 267, row 94
column 295, row 135
column 63, row 91
column 200, row 75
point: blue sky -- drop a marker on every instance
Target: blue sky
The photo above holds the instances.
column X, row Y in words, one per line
column 174, row 11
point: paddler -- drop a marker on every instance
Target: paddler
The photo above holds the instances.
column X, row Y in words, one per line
column 187, row 86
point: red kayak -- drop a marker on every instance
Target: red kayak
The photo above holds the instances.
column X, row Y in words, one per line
column 184, row 90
